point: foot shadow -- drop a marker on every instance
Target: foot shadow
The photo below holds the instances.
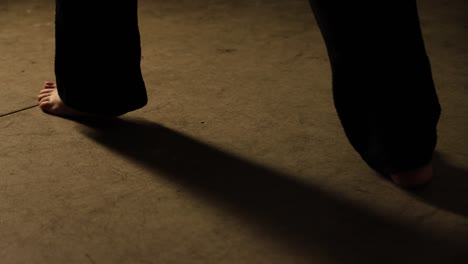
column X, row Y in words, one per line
column 301, row 217
column 449, row 188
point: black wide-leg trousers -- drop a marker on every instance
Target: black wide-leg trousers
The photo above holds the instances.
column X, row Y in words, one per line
column 98, row 54
column 382, row 82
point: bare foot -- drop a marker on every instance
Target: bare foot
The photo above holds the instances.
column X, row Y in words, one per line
column 50, row 102
column 414, row 178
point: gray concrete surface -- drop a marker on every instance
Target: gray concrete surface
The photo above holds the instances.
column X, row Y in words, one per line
column 238, row 158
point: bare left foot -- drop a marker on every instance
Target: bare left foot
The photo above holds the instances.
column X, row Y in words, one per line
column 414, row 178
column 50, row 102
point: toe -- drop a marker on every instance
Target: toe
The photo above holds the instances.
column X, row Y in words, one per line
column 48, row 90
column 45, row 106
column 44, row 99
column 43, row 94
column 49, row 85
column 45, row 91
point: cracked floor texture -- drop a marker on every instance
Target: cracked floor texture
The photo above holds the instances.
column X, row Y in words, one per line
column 239, row 156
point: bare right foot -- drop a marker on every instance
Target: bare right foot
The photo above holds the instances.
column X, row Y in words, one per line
column 414, row 178
column 50, row 102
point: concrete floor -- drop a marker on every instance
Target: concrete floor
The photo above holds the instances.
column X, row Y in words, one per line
column 239, row 156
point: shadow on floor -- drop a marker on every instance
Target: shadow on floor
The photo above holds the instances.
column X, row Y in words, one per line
column 301, row 217
column 449, row 189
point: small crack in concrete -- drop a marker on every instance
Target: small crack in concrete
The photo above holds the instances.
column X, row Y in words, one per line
column 17, row 111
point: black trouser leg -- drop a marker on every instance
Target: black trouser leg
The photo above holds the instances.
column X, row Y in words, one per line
column 382, row 82
column 98, row 53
